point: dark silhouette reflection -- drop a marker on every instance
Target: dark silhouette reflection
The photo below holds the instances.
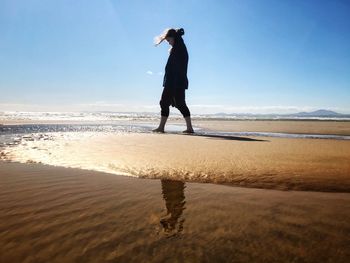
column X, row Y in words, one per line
column 173, row 194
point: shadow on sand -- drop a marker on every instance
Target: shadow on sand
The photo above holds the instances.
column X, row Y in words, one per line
column 226, row 137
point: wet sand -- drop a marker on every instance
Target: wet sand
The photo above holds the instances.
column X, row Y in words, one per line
column 50, row 214
column 56, row 214
column 261, row 162
column 281, row 126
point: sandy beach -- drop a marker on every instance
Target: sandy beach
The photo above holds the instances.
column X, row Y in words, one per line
column 283, row 199
column 286, row 126
column 261, row 162
column 50, row 214
column 175, row 131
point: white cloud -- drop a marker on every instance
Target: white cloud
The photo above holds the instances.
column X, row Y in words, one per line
column 118, row 107
column 150, row 72
column 21, row 107
column 101, row 104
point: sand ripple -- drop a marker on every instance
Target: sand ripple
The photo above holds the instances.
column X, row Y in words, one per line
column 276, row 163
column 62, row 215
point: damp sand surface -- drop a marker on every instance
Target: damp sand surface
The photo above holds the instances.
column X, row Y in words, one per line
column 324, row 127
column 260, row 162
column 56, row 214
column 278, row 126
column 51, row 214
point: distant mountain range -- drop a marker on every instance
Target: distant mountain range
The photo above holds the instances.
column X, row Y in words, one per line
column 318, row 113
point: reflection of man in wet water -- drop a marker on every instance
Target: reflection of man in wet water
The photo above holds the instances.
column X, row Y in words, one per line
column 173, row 194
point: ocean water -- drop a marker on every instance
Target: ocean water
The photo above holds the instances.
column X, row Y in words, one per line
column 10, row 134
column 145, row 116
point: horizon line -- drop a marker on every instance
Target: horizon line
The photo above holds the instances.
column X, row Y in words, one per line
column 204, row 109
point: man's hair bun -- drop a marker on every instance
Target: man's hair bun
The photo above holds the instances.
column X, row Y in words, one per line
column 180, row 31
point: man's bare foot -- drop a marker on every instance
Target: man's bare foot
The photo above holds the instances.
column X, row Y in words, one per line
column 158, row 130
column 188, row 131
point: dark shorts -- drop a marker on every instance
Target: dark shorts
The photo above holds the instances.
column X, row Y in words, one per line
column 175, row 98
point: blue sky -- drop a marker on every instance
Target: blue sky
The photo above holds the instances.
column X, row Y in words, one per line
column 245, row 55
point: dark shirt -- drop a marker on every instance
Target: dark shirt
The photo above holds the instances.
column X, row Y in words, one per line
column 175, row 76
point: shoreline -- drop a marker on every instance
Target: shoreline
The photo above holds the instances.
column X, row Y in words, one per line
column 317, row 127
